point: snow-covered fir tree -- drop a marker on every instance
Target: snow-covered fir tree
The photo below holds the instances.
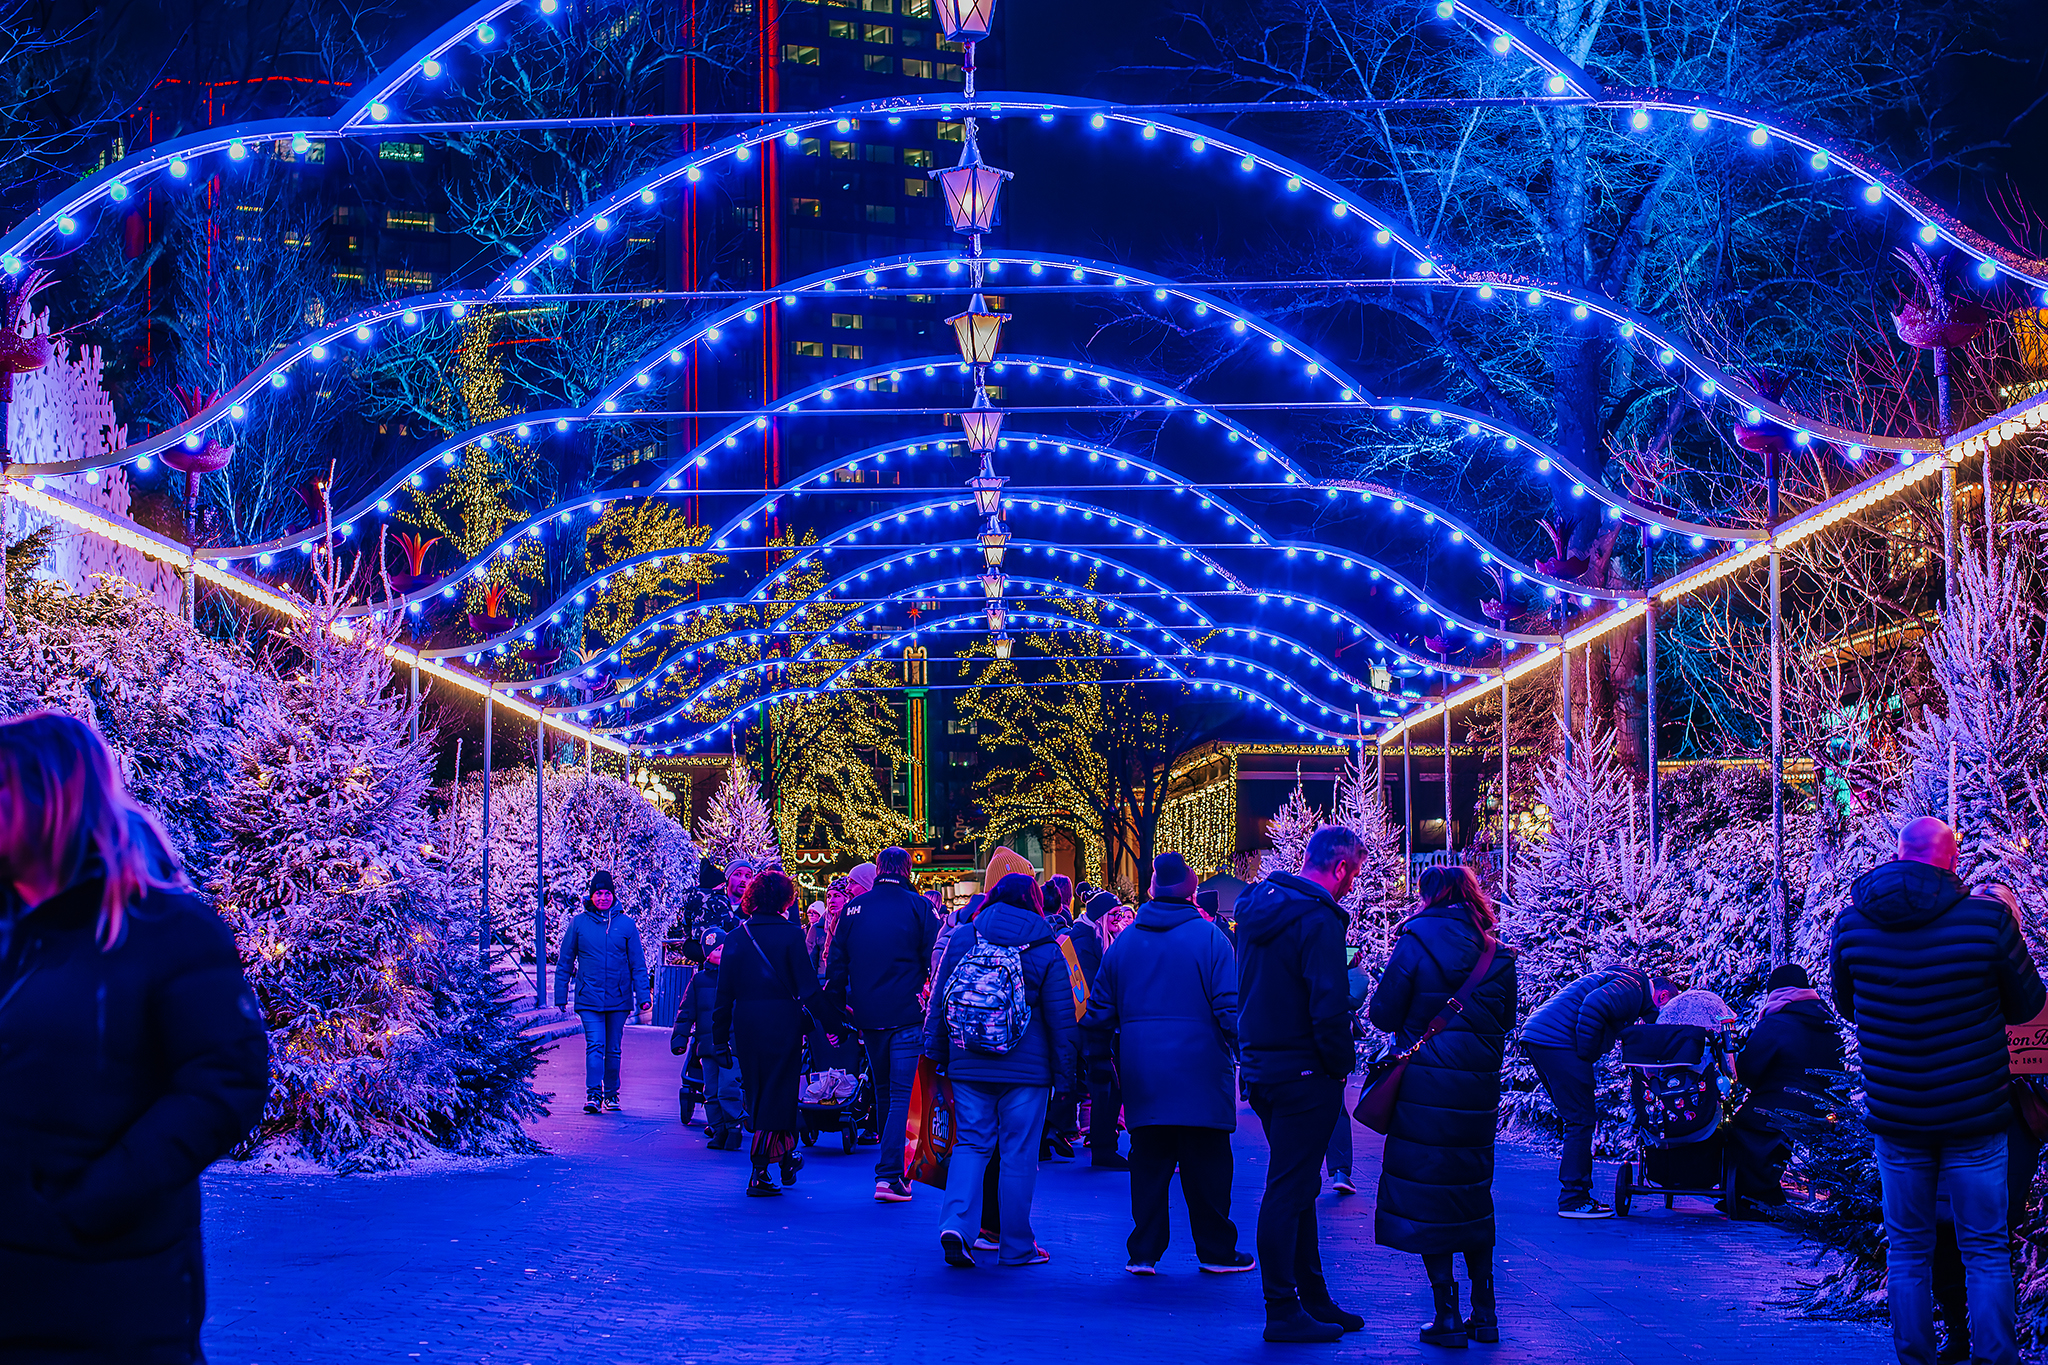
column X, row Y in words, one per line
column 1375, row 902
column 737, row 823
column 1289, row 831
column 387, row 1037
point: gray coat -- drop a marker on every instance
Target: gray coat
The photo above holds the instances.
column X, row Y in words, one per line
column 1164, row 1004
column 603, row 953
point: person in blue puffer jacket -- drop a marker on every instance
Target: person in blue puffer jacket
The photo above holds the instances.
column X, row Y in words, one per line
column 601, row 950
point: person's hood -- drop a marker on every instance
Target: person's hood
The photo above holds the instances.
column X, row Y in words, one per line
column 710, row 876
column 1810, row 1013
column 1011, row 925
column 1901, row 896
column 1279, row 901
column 1159, row 916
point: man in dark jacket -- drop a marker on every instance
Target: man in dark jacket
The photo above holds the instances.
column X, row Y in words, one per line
column 1294, row 1031
column 1565, row 1039
column 874, row 976
column 1930, row 975
column 999, row 1099
column 706, row 906
column 1105, row 1099
column 601, row 949
column 1162, row 1015
column 725, row 1109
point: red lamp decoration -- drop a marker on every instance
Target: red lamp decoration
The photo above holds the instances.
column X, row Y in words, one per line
column 995, row 536
column 20, row 352
column 1933, row 320
column 972, row 189
column 981, row 424
column 197, row 455
column 979, row 332
column 965, row 21
column 415, row 550
column 493, row 621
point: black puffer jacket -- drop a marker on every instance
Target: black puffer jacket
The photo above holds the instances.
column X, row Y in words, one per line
column 122, row 1075
column 1779, row 1058
column 880, row 953
column 1436, row 1176
column 1930, row 976
column 1589, row 1015
column 1294, row 1011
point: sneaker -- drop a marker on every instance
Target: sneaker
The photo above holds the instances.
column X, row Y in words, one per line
column 1060, row 1145
column 955, row 1247
column 1039, row 1256
column 891, row 1192
column 868, row 1137
column 611, row 1104
column 594, row 1103
column 1141, row 1267
column 1237, row 1264
column 1342, row 1183
column 986, row 1241
column 1585, row 1206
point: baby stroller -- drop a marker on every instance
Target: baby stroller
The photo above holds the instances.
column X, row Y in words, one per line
column 1674, row 1087
column 834, row 1100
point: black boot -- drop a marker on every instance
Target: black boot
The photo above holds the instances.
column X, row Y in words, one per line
column 1323, row 1309
column 1448, row 1329
column 1483, row 1323
column 759, row 1186
column 1285, row 1321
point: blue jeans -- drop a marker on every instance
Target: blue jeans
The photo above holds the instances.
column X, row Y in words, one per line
column 604, row 1033
column 892, row 1066
column 1972, row 1175
column 988, row 1118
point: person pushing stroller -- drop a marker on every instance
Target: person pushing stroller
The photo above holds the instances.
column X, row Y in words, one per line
column 724, row 1109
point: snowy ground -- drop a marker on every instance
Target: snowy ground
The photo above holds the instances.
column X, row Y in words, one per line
column 631, row 1243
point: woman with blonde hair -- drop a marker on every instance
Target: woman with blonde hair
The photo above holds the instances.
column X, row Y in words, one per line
column 132, row 1055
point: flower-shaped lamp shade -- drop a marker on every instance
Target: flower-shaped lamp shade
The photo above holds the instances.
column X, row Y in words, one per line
column 992, row 586
column 988, row 492
column 979, row 332
column 1002, row 644
column 994, row 538
column 972, row 193
column 965, row 21
column 981, row 426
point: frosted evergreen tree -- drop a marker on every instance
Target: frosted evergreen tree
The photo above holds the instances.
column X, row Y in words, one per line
column 737, row 823
column 1375, row 902
column 1289, row 830
column 386, row 1037
column 1589, row 892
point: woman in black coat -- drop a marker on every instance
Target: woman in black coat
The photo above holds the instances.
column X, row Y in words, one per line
column 131, row 1056
column 1436, row 1174
column 764, row 988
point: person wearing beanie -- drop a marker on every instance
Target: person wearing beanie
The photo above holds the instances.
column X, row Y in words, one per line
column 1083, row 943
column 1793, row 1044
column 601, row 951
column 1162, row 1016
column 725, row 1109
column 705, row 906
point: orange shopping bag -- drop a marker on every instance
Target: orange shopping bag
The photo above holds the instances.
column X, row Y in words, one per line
column 928, row 1136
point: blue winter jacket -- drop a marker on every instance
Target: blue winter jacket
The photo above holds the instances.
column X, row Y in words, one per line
column 1050, row 1051
column 603, row 953
column 1165, row 1005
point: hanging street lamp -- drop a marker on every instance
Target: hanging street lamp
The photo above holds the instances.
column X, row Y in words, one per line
column 997, row 617
column 994, row 537
column 979, row 332
column 992, row 585
column 972, row 189
column 965, row 21
column 1002, row 644
column 988, row 490
column 981, row 424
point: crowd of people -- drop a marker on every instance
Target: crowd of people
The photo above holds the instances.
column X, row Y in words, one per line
column 1048, row 1015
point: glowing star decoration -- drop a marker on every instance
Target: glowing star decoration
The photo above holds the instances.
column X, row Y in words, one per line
column 979, row 332
column 981, row 424
column 965, row 21
column 972, row 189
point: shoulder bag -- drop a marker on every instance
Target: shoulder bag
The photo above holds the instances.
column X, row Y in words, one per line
column 1375, row 1107
column 779, row 978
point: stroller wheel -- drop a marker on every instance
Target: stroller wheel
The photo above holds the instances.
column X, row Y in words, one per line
column 846, row 1138
column 1624, row 1189
column 688, row 1104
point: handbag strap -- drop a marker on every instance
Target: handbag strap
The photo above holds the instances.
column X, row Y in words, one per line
column 773, row 971
column 1456, row 1004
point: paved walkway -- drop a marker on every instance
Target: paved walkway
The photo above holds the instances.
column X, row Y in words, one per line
column 631, row 1243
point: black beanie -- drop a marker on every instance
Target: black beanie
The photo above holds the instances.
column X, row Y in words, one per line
column 1172, row 876
column 1790, row 975
column 601, row 880
column 710, row 876
column 1101, row 903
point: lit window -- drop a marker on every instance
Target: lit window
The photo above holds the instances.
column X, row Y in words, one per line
column 402, row 151
column 917, row 9
column 409, row 220
column 917, row 189
column 881, row 152
column 408, row 279
column 842, row 151
column 996, row 393
column 881, row 34
column 920, row 157
column 805, row 208
column 945, row 46
column 348, row 277
column 881, row 213
column 814, row 349
column 849, row 321
column 917, row 70
column 810, row 146
column 842, row 351
column 885, row 385
column 920, row 298
column 840, row 28
column 879, row 63
column 799, row 56
column 948, row 71
column 879, row 6
column 952, row 132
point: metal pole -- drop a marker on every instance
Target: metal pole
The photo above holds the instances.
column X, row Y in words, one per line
column 1948, row 535
column 1504, row 883
column 540, row 867
column 1777, row 899
column 1564, row 682
column 413, row 696
column 1650, row 686
column 483, row 904
column 1448, row 841
column 1407, row 820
